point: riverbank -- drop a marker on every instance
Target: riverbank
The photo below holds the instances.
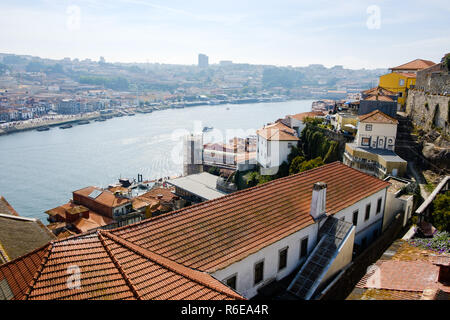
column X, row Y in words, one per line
column 35, row 124
column 43, row 122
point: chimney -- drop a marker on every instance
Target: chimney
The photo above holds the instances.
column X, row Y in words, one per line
column 319, row 200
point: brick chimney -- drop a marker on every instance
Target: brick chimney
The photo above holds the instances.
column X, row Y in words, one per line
column 319, row 200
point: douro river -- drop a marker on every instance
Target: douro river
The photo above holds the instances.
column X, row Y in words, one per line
column 39, row 170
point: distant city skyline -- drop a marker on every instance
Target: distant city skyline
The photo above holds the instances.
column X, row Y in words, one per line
column 354, row 34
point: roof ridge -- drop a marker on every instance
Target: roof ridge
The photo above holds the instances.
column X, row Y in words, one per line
column 276, row 181
column 9, row 206
column 39, row 270
column 117, row 265
column 25, row 255
column 167, row 263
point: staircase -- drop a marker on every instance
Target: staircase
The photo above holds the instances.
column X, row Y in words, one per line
column 332, row 236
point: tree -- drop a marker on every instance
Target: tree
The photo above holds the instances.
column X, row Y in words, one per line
column 296, row 164
column 441, row 212
column 253, row 179
column 311, row 164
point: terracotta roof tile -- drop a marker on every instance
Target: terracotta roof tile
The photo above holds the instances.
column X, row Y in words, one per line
column 106, row 197
column 377, row 116
column 214, row 234
column 110, row 268
column 303, row 115
column 417, row 64
column 278, row 132
column 405, row 276
column 379, row 98
column 379, row 91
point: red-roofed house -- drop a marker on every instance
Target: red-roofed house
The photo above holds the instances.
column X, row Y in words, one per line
column 403, row 77
column 372, row 151
column 274, row 144
column 245, row 240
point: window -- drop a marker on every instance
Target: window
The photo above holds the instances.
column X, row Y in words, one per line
column 231, row 282
column 282, row 259
column 368, row 127
column 367, row 212
column 365, row 141
column 259, row 272
column 400, row 94
column 379, row 205
column 304, row 247
column 401, row 82
column 355, row 218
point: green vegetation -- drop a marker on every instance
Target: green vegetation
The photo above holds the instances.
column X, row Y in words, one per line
column 439, row 243
column 282, row 77
column 307, row 165
column 316, row 144
column 446, row 61
column 441, row 212
column 13, row 59
column 115, row 83
column 316, row 150
column 35, row 66
column 3, row 68
column 214, row 170
column 429, row 187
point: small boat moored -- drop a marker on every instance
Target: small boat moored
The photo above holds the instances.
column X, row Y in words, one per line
column 46, row 128
column 66, row 126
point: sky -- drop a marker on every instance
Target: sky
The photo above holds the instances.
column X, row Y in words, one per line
column 353, row 33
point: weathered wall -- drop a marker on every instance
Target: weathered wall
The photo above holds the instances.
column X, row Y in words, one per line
column 429, row 110
column 433, row 80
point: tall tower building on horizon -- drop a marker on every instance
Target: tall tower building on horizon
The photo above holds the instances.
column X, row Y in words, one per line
column 203, row 60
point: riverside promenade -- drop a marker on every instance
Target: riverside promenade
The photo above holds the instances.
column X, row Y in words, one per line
column 50, row 121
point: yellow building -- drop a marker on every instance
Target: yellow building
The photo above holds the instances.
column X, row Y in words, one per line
column 403, row 77
column 398, row 83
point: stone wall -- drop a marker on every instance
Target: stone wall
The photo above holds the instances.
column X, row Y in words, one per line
column 433, row 80
column 429, row 111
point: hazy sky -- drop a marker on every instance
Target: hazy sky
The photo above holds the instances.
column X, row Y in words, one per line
column 356, row 34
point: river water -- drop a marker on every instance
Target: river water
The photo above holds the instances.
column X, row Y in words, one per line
column 39, row 170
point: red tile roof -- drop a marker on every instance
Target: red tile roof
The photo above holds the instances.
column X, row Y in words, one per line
column 278, row 132
column 417, row 64
column 110, row 268
column 419, row 272
column 303, row 115
column 379, row 98
column 377, row 116
column 215, row 234
column 167, row 194
column 106, row 197
column 94, row 221
column 379, row 91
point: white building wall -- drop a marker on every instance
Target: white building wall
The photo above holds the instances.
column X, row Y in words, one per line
column 272, row 153
column 244, row 269
column 380, row 134
column 297, row 124
column 375, row 221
